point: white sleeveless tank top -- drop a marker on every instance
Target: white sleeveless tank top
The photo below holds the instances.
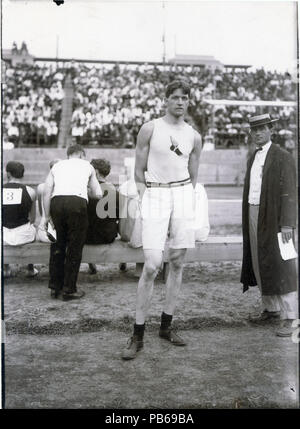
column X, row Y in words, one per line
column 71, row 177
column 170, row 148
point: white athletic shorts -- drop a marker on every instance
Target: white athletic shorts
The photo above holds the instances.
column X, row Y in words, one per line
column 20, row 235
column 168, row 212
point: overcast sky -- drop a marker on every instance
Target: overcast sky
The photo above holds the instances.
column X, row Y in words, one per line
column 259, row 33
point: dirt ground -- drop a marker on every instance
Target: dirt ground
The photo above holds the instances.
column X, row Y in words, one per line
column 68, row 354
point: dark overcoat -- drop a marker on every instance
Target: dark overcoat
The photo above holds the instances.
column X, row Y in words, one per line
column 277, row 208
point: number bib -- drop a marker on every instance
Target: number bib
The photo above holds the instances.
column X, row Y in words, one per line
column 12, row 196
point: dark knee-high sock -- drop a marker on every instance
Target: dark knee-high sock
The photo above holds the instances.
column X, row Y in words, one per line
column 138, row 330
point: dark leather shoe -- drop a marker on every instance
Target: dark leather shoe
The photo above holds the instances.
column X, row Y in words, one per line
column 76, row 295
column 133, row 346
column 265, row 316
column 170, row 335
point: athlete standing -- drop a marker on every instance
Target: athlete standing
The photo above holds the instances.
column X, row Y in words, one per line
column 166, row 170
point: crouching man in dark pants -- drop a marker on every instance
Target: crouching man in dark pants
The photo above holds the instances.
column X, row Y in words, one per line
column 65, row 199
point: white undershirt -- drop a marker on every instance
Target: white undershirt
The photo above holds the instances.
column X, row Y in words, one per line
column 71, row 177
column 257, row 173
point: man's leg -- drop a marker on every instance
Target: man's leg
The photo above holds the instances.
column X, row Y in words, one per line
column 152, row 264
column 57, row 263
column 182, row 237
column 174, row 281
column 270, row 305
column 176, row 258
column 77, row 223
column 57, row 249
column 289, row 312
column 156, row 211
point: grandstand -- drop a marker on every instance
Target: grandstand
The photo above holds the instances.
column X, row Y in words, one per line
column 50, row 104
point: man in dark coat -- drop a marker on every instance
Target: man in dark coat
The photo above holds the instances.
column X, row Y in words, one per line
column 269, row 208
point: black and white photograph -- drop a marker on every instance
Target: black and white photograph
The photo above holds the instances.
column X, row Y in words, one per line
column 149, row 211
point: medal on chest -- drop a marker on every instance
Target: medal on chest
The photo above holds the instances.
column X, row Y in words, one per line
column 175, row 146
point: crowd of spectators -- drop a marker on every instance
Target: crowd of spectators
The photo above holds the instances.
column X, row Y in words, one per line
column 229, row 123
column 32, row 103
column 112, row 101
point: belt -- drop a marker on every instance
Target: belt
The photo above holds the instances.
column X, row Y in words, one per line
column 168, row 185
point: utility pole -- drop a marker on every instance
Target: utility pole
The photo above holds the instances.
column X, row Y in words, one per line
column 175, row 45
column 164, row 33
column 57, row 46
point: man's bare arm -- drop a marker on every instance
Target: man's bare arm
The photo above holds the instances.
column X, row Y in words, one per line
column 141, row 156
column 94, row 190
column 47, row 192
column 40, row 197
column 32, row 212
column 194, row 159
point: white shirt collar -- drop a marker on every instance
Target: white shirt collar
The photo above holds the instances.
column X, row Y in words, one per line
column 265, row 147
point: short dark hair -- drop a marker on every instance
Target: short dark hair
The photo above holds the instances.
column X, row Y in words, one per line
column 178, row 84
column 75, row 148
column 101, row 165
column 16, row 169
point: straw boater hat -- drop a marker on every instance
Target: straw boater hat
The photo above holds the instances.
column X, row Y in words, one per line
column 264, row 119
